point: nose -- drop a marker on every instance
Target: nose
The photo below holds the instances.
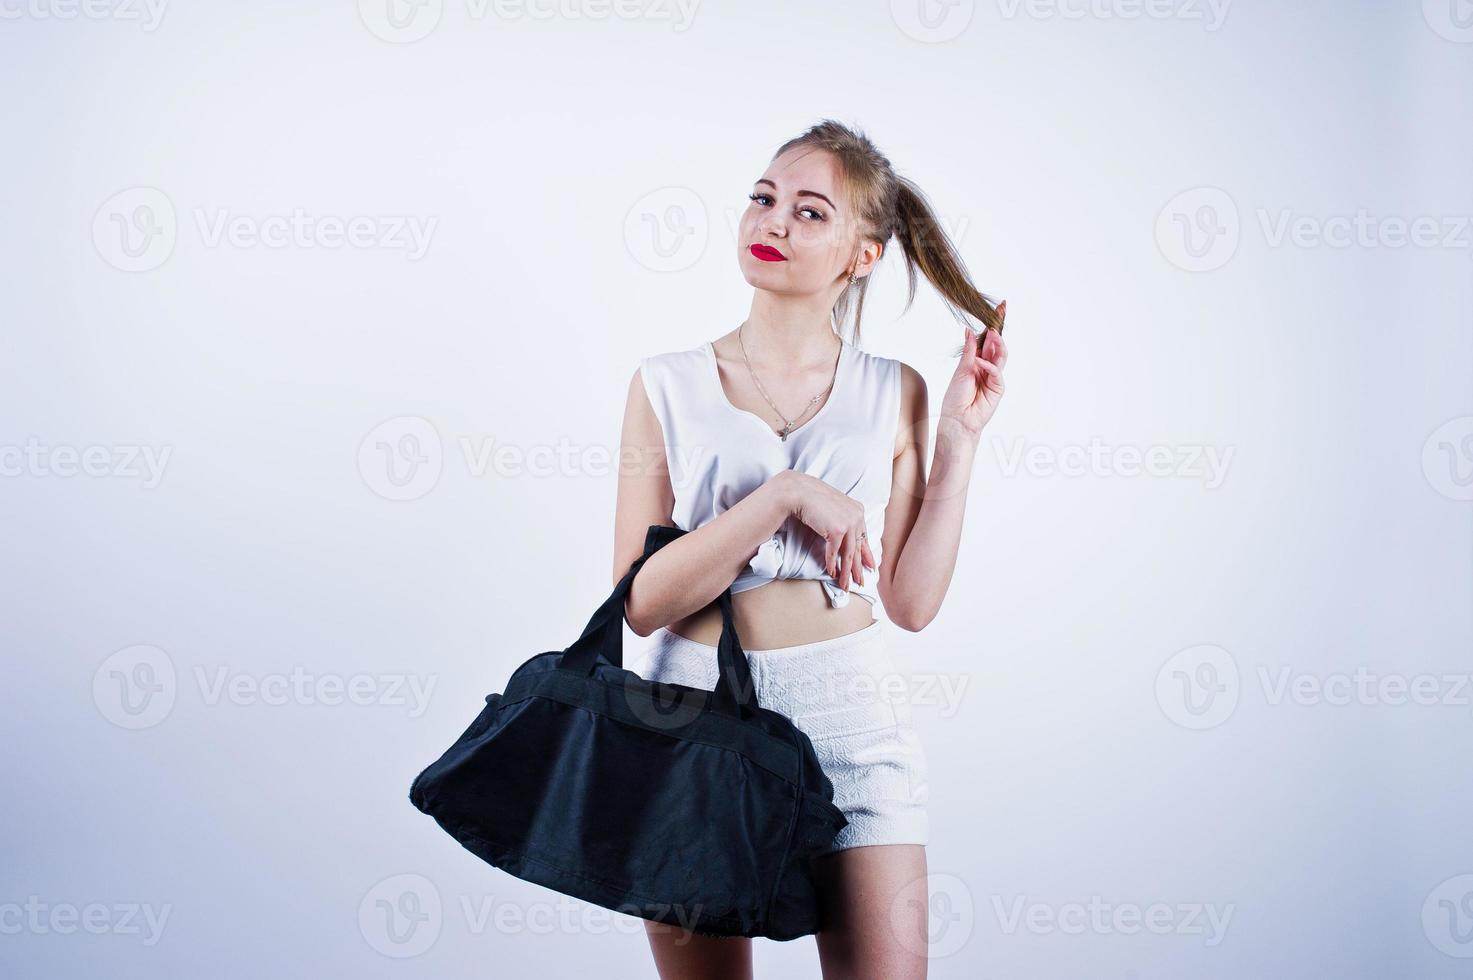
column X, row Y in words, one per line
column 772, row 223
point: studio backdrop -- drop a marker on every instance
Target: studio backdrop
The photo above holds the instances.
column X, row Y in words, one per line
column 316, row 331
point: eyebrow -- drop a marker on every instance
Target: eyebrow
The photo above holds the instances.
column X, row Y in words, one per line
column 764, row 180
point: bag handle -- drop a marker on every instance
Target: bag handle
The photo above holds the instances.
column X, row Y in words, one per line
column 604, row 635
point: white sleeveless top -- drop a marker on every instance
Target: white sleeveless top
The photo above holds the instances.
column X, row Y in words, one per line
column 718, row 453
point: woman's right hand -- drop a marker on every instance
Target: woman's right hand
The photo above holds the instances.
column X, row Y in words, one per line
column 837, row 518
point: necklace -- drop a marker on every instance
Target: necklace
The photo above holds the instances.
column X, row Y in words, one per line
column 788, row 424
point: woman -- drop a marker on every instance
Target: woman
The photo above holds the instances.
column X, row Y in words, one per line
column 804, row 512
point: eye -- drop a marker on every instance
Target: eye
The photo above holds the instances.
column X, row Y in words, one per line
column 765, row 200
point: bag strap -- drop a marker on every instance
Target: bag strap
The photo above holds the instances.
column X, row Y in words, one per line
column 604, row 635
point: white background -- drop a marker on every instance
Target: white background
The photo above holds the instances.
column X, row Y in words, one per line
column 580, row 176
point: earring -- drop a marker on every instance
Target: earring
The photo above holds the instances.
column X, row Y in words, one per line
column 851, row 278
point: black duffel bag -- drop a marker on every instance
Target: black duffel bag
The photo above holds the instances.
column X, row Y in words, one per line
column 696, row 808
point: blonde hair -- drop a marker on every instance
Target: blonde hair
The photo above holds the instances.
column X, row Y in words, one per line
column 888, row 205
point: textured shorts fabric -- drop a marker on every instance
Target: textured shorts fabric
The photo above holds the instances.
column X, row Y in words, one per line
column 849, row 697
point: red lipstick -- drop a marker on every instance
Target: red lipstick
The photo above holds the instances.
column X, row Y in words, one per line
column 767, row 253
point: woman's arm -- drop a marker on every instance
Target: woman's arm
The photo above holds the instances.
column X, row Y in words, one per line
column 690, row 572
column 923, row 519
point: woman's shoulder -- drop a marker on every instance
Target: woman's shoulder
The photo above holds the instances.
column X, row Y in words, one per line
column 669, row 360
column 892, row 380
column 663, row 368
column 882, row 366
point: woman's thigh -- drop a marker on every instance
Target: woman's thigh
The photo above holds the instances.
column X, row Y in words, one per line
column 873, row 917
column 873, row 912
column 680, row 953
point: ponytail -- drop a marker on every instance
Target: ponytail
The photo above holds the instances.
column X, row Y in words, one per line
column 887, row 206
column 927, row 247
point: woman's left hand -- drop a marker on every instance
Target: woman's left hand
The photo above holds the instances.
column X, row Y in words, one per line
column 977, row 386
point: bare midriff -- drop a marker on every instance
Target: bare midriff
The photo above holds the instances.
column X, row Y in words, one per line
column 781, row 613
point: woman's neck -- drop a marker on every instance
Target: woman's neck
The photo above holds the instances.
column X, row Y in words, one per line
column 790, row 336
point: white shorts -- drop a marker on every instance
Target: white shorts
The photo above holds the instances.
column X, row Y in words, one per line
column 837, row 693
